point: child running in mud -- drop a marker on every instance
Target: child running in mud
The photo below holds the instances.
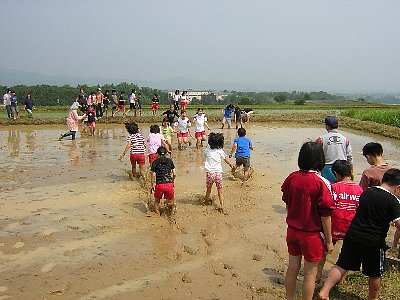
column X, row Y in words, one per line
column 162, row 180
column 200, row 121
column 346, row 194
column 241, row 147
column 182, row 128
column 309, row 206
column 166, row 131
column 136, row 146
column 214, row 155
column 154, row 141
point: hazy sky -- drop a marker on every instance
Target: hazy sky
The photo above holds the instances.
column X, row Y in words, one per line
column 338, row 45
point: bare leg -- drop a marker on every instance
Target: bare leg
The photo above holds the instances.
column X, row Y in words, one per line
column 291, row 276
column 221, row 199
column 134, row 173
column 374, row 283
column 207, row 199
column 180, row 143
column 157, row 206
column 142, row 171
column 395, row 244
column 334, row 276
column 310, row 273
column 320, row 269
column 246, row 174
column 198, row 142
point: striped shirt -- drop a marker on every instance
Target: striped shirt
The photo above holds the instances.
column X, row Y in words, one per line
column 138, row 145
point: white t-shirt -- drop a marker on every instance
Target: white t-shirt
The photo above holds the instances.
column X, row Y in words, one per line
column 132, row 98
column 214, row 159
column 199, row 121
column 176, row 98
column 184, row 98
column 183, row 124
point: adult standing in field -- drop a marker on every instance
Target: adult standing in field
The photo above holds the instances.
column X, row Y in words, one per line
column 171, row 114
column 14, row 105
column 336, row 147
column 99, row 106
column 175, row 100
column 72, row 121
column 28, row 105
column 81, row 99
column 227, row 118
column 7, row 103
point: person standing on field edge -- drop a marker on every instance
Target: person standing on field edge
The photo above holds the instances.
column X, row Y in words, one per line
column 7, row 103
column 336, row 147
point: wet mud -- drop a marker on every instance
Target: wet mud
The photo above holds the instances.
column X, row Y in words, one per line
column 75, row 226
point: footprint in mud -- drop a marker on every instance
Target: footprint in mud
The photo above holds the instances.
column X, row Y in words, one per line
column 48, row 267
column 18, row 245
column 49, row 231
column 189, row 250
column 3, row 289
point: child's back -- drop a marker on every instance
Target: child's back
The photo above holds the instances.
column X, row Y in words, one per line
column 373, row 175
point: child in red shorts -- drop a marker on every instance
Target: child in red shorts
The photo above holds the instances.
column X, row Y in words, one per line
column 137, row 146
column 162, row 180
column 214, row 154
column 309, row 205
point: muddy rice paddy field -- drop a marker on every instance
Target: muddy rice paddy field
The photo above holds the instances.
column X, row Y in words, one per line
column 74, row 226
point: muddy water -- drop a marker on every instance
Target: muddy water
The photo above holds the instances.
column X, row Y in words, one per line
column 74, row 225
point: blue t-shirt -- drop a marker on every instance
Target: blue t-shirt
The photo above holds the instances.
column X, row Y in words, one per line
column 29, row 103
column 243, row 146
column 228, row 112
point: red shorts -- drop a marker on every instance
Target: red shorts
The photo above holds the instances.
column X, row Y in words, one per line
column 180, row 134
column 121, row 106
column 184, row 105
column 166, row 190
column 309, row 244
column 199, row 134
column 139, row 159
column 152, row 157
column 154, row 106
column 91, row 124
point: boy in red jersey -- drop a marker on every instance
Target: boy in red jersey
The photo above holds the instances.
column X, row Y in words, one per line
column 309, row 205
column 346, row 194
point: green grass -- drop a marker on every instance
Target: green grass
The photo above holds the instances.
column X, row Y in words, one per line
column 388, row 115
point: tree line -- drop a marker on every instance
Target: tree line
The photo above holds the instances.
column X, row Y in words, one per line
column 52, row 95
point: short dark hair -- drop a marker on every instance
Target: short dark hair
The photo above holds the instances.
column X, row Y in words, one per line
column 391, row 177
column 311, row 157
column 241, row 132
column 372, row 148
column 132, row 127
column 343, row 168
column 216, row 140
column 155, row 129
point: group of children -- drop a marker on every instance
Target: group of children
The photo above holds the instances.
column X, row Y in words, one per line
column 10, row 101
column 162, row 169
column 320, row 213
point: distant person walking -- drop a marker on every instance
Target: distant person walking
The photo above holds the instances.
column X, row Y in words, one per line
column 81, row 99
column 72, row 121
column 99, row 104
column 175, row 100
column 336, row 147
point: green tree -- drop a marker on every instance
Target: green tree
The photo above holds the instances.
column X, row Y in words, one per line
column 280, row 98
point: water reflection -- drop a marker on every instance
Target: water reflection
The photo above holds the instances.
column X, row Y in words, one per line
column 14, row 140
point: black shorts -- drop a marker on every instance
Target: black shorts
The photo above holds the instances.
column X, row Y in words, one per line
column 132, row 106
column 243, row 161
column 353, row 255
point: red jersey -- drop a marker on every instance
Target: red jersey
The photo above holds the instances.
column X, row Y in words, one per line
column 346, row 196
column 308, row 197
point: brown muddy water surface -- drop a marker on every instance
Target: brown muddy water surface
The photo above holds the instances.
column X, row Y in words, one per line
column 74, row 226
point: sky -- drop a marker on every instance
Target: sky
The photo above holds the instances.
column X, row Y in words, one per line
column 326, row 45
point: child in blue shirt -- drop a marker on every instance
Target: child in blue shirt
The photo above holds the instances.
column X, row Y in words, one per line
column 228, row 110
column 242, row 146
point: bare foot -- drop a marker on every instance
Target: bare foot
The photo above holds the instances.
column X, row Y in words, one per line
column 322, row 297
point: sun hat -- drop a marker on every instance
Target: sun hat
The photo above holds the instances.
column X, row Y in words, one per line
column 75, row 105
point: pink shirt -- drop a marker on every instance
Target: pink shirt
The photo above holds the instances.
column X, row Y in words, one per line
column 72, row 120
column 154, row 141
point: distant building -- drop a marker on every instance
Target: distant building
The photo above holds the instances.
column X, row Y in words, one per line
column 199, row 94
